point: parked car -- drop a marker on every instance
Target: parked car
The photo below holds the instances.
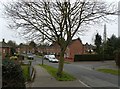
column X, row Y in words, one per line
column 46, row 57
column 30, row 56
column 52, row 58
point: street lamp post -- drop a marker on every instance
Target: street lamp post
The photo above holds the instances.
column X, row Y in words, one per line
column 43, row 48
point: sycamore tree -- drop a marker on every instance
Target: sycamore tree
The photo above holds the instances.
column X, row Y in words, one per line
column 57, row 21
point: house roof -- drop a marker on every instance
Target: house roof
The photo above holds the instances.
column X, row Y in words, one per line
column 4, row 44
column 55, row 43
column 75, row 40
column 89, row 46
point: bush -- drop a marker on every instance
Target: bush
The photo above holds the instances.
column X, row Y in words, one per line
column 92, row 57
column 7, row 55
column 13, row 57
column 12, row 75
column 20, row 57
column 117, row 57
column 87, row 57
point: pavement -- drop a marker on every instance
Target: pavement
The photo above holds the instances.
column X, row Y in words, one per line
column 44, row 79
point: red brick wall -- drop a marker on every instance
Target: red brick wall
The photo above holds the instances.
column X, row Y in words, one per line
column 75, row 48
column 5, row 51
column 0, row 51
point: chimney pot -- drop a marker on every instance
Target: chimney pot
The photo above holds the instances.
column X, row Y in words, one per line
column 3, row 40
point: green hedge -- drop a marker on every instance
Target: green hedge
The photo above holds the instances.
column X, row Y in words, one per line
column 92, row 57
column 117, row 57
column 12, row 75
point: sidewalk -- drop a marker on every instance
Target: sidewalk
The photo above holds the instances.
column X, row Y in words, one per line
column 44, row 79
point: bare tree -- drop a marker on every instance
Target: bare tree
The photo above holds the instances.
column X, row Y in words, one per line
column 58, row 21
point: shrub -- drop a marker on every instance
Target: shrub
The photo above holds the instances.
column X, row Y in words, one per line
column 92, row 57
column 13, row 57
column 12, row 75
column 7, row 55
column 117, row 57
column 87, row 57
column 20, row 57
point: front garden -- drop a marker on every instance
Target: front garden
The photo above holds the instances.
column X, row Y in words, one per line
column 15, row 72
column 25, row 69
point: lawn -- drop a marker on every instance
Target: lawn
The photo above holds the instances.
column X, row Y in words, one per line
column 110, row 71
column 39, row 56
column 26, row 72
column 53, row 72
column 66, row 62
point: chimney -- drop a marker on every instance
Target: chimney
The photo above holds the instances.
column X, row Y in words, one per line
column 3, row 40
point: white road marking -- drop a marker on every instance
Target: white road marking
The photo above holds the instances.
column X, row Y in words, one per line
column 84, row 83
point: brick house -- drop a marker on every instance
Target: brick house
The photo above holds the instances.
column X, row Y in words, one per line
column 88, row 49
column 75, row 47
column 4, row 49
column 25, row 49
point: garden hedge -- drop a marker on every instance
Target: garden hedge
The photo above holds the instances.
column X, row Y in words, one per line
column 92, row 57
column 12, row 75
column 117, row 57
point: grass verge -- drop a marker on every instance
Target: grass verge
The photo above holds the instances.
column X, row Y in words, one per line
column 53, row 72
column 25, row 69
column 110, row 71
column 39, row 56
column 66, row 62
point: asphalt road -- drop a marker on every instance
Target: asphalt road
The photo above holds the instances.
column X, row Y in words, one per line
column 85, row 73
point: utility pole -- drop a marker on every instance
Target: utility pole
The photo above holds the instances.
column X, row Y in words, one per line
column 105, row 34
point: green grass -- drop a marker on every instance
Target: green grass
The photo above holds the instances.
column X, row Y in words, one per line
column 53, row 72
column 39, row 56
column 110, row 71
column 66, row 62
column 26, row 72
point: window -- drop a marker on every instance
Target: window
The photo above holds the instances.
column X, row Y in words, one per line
column 3, row 50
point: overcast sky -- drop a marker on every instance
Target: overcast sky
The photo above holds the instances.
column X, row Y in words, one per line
column 112, row 28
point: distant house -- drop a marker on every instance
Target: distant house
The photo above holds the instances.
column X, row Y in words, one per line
column 4, row 49
column 88, row 48
column 25, row 49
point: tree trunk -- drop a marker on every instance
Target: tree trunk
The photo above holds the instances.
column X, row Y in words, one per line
column 61, row 63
